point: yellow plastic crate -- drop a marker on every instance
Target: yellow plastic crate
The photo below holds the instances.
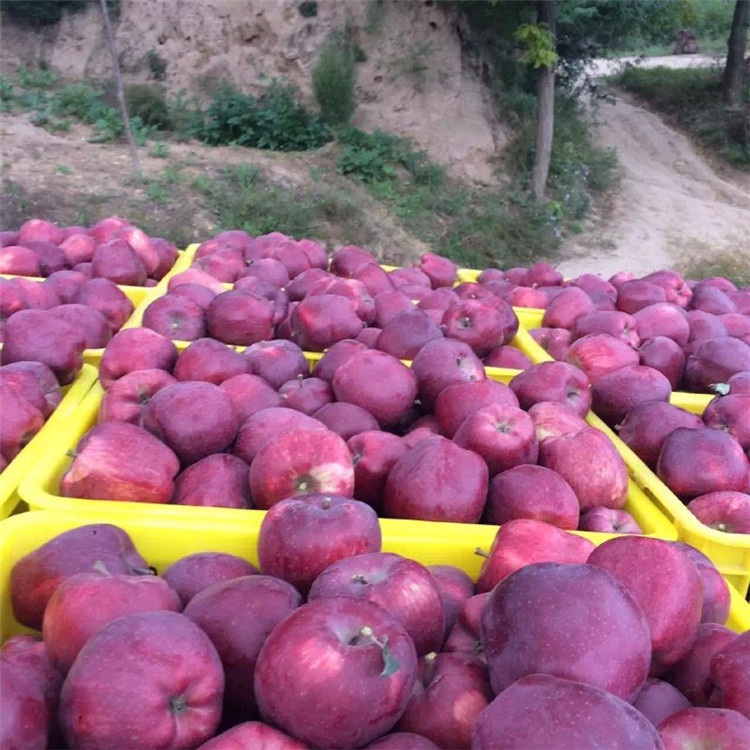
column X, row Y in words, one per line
column 40, row 491
column 32, row 456
column 162, row 542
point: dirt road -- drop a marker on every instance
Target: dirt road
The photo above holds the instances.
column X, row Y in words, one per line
column 672, row 204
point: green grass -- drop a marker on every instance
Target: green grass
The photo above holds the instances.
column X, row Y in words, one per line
column 726, row 263
column 691, row 98
column 708, row 46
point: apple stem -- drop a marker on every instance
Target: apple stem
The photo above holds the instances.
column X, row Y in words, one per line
column 390, row 663
column 71, row 453
column 479, row 551
column 358, row 578
column 325, row 503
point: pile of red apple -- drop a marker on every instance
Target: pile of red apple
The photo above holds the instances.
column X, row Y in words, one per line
column 29, row 393
column 284, row 288
column 696, row 333
column 333, row 643
column 110, row 249
column 435, row 441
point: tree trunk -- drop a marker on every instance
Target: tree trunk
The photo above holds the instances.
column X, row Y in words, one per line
column 732, row 79
column 545, row 117
column 120, row 93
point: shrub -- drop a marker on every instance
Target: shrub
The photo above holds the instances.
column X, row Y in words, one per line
column 156, row 64
column 149, row 104
column 40, row 12
column 333, row 80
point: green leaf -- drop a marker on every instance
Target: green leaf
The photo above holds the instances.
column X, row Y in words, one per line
column 390, row 663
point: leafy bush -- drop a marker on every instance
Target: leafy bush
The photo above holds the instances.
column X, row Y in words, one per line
column 333, row 80
column 149, row 104
column 156, row 64
column 275, row 120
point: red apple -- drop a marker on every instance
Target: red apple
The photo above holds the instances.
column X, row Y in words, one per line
column 458, row 400
column 553, row 381
column 197, row 293
column 19, row 260
column 276, row 361
column 636, row 294
column 240, row 317
column 389, row 304
column 175, row 317
column 402, row 586
column 268, row 269
column 704, row 325
column 673, row 610
column 307, row 666
column 663, row 319
column 442, row 362
column 85, row 602
column 697, row 727
column 39, row 336
column 724, row 510
column 554, row 341
column 193, row 418
column 616, row 394
column 21, row 421
column 301, row 536
column 664, row 355
column 591, row 718
column 523, row 541
column 218, row 481
column 192, row 573
column 117, row 261
column 608, row 521
column 598, row 354
column 437, row 480
column 120, row 461
column 346, row 420
column 36, row 295
column 135, row 349
column 334, row 357
column 402, row 741
column 569, row 305
column 575, row 456
column 455, row 587
column 604, row 643
column 482, row 324
column 443, row 682
column 507, row 357
column 307, row 395
column 555, row 419
column 67, row 284
column 716, row 462
column 301, row 462
column 263, row 425
column 441, row 271
column 715, row 360
column 374, row 454
column 322, row 320
column 210, row 361
column 716, row 596
column 615, row 323
column 503, row 435
column 732, row 414
column 464, row 635
column 406, row 333
column 146, row 680
column 25, row 717
column 711, row 300
column 532, row 492
column 33, row 382
column 127, row 397
column 375, row 279
column 396, row 385
column 260, row 602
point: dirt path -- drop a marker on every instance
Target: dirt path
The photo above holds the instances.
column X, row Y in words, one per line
column 672, row 204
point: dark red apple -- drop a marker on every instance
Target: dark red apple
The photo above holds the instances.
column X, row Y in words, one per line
column 566, row 308
column 374, row 454
column 694, row 462
column 25, row 718
column 21, row 421
column 197, row 293
column 33, row 382
column 260, row 602
column 67, row 285
column 143, row 681
column 120, row 461
column 554, row 341
column 210, row 361
column 389, row 304
column 673, row 617
column 217, row 481
column 732, row 414
column 301, row 462
column 664, row 355
column 593, row 718
column 715, row 360
column 553, row 381
column 240, row 317
column 307, row 666
column 532, row 492
column 249, row 394
column 724, row 510
column 697, row 727
column 402, row 586
column 716, row 596
column 437, row 480
column 127, row 397
column 443, row 682
column 118, row 262
column 523, row 541
column 307, row 395
column 135, row 349
column 636, row 294
column 458, row 400
column 575, row 456
column 301, row 536
column 276, row 361
column 616, row 394
column 19, row 260
column 334, row 357
column 35, row 576
column 507, row 357
column 608, row 521
column 353, row 382
column 663, row 319
column 322, row 320
column 346, row 420
column 268, row 269
column 85, row 602
column 555, row 419
column 442, row 362
column 406, row 333
column 503, row 435
column 598, row 354
column 455, row 587
column 482, row 324
column 175, row 317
